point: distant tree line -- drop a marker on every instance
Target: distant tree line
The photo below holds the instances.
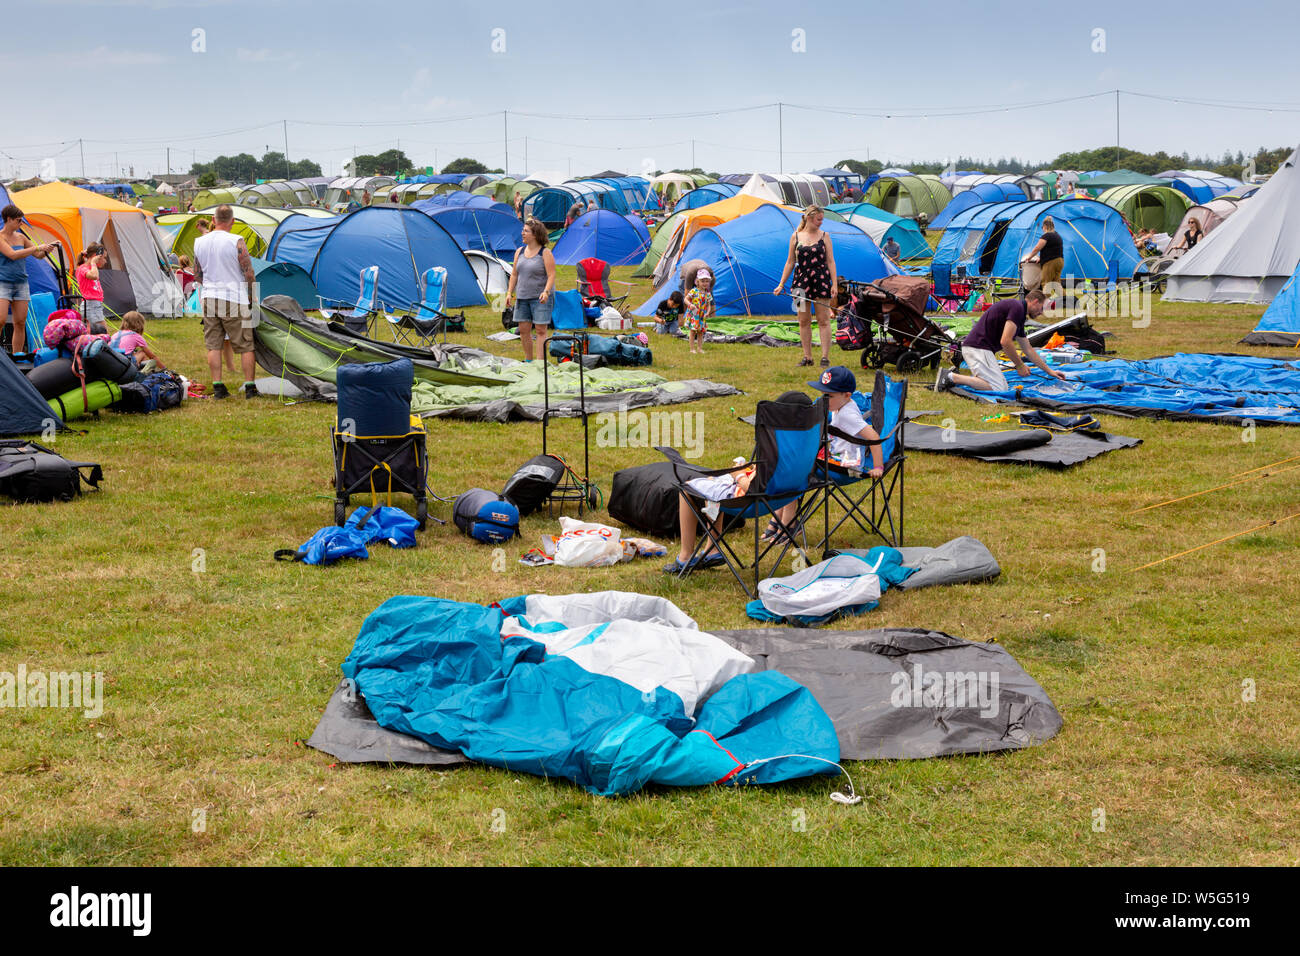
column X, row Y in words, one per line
column 1107, row 158
column 246, row 168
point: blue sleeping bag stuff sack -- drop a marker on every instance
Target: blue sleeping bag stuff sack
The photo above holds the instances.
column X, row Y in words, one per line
column 485, row 516
column 391, row 525
column 374, row 398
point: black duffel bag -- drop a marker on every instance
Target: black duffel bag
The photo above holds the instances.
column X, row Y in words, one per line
column 32, row 472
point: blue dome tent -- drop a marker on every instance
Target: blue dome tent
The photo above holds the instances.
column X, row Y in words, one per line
column 1280, row 323
column 401, row 240
column 488, row 229
column 551, row 205
column 461, row 198
column 619, row 240
column 991, row 239
column 702, row 196
column 747, row 254
column 975, row 196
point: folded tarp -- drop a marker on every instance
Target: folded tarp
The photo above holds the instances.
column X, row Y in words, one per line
column 889, row 693
column 1231, row 389
column 1026, row 447
column 612, row 691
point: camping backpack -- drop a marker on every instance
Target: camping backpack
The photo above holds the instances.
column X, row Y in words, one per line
column 533, row 483
column 31, row 472
column 155, row 392
column 852, row 332
column 485, row 516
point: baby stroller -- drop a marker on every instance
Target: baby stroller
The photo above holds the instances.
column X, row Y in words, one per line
column 886, row 320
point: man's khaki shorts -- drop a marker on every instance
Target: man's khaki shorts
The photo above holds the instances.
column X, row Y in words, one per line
column 222, row 320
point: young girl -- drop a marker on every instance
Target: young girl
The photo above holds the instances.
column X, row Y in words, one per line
column 668, row 315
column 699, row 308
column 92, row 293
column 130, row 340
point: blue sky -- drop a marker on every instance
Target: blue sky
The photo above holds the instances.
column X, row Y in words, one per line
column 123, row 76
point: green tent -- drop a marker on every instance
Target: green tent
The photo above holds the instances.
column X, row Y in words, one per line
column 658, row 244
column 909, row 196
column 215, row 197
column 188, row 231
column 1148, row 206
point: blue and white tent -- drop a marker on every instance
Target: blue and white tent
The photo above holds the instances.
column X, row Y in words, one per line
column 401, row 240
column 618, row 240
column 747, row 255
column 882, row 226
column 991, row 239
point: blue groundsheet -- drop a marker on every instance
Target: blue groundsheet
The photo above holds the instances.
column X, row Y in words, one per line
column 1187, row 387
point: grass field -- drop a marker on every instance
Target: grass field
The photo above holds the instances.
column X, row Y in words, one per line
column 214, row 676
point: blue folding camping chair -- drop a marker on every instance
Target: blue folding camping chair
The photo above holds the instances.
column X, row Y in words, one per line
column 788, row 437
column 873, row 508
column 357, row 319
column 428, row 316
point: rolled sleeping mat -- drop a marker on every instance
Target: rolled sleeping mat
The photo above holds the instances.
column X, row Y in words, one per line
column 104, row 361
column 53, row 378
column 98, row 395
column 374, row 398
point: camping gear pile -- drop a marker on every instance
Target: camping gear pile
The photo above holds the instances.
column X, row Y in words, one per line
column 78, row 373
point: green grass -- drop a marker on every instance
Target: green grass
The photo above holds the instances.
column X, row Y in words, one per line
column 213, row 679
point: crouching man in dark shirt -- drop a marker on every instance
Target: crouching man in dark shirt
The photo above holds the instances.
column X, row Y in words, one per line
column 1002, row 328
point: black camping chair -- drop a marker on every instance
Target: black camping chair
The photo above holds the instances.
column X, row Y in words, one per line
column 873, row 508
column 787, row 440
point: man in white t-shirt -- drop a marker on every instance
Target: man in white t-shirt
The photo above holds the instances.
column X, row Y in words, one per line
column 839, row 384
column 224, row 271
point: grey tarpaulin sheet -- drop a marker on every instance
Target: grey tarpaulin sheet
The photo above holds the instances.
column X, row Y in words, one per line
column 348, row 731
column 865, row 681
column 1027, row 447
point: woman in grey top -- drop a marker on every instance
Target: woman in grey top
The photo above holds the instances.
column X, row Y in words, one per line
column 532, row 284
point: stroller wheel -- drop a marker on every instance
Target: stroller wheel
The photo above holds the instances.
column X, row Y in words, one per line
column 908, row 362
column 934, row 362
column 872, row 357
column 340, row 512
column 422, row 512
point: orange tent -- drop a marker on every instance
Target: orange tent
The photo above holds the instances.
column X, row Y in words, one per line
column 74, row 218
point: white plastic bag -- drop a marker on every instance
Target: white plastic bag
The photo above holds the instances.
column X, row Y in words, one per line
column 587, row 544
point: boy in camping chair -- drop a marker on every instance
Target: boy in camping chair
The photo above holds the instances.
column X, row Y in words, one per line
column 734, row 484
column 847, row 422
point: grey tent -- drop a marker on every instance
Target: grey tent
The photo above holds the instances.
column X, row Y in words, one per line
column 1252, row 255
column 22, row 410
